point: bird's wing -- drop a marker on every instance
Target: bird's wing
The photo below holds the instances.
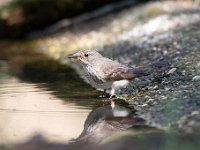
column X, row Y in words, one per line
column 116, row 71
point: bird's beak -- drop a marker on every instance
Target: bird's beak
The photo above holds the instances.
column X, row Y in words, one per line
column 75, row 56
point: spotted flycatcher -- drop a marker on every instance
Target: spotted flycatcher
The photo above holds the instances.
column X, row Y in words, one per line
column 104, row 73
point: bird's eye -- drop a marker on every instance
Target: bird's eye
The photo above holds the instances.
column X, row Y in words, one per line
column 86, row 55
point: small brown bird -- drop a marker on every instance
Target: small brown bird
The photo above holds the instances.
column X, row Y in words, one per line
column 104, row 73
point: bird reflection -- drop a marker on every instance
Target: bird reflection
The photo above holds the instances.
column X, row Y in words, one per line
column 107, row 120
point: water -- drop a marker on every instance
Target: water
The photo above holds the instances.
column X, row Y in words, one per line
column 28, row 108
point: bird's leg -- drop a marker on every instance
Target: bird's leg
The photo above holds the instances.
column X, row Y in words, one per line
column 104, row 92
column 112, row 93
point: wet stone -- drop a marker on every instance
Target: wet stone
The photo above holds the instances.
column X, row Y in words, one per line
column 196, row 78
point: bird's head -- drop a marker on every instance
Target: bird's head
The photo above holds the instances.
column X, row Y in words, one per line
column 86, row 56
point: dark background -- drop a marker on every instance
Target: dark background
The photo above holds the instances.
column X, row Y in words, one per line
column 18, row 17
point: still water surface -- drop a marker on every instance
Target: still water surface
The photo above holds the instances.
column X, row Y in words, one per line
column 27, row 109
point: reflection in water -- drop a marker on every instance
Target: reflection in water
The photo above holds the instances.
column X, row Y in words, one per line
column 27, row 109
column 105, row 121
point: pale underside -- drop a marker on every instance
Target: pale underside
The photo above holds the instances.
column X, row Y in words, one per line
column 95, row 79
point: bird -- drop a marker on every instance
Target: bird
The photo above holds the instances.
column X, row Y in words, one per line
column 103, row 73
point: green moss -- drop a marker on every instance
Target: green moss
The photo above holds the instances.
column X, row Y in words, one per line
column 153, row 11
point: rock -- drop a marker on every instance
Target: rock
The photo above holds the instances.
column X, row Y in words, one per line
column 196, row 78
column 163, row 97
column 143, row 105
column 194, row 113
column 167, row 89
column 155, row 87
column 171, row 71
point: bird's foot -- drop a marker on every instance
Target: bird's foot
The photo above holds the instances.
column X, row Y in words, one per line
column 104, row 95
column 101, row 96
column 112, row 96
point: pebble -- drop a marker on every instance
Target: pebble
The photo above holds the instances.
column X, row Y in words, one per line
column 143, row 105
column 163, row 97
column 192, row 123
column 167, row 89
column 171, row 71
column 155, row 87
column 151, row 102
column 196, row 78
column 194, row 113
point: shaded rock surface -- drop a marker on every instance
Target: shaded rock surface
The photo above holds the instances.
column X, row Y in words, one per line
column 172, row 91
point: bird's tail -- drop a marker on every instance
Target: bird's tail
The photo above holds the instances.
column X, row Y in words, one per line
column 140, row 71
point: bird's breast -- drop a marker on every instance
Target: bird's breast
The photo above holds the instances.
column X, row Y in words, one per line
column 95, row 79
column 93, row 74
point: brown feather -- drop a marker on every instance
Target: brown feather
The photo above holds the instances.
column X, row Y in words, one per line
column 116, row 71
